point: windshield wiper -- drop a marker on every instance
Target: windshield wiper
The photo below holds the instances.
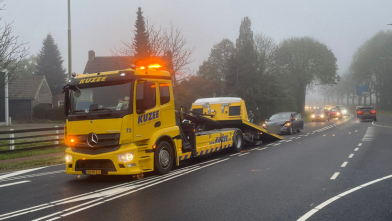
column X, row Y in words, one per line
column 83, row 112
column 111, row 112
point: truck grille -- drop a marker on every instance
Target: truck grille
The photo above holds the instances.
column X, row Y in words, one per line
column 104, row 165
column 106, row 143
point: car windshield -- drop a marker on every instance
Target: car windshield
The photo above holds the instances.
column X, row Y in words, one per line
column 318, row 111
column 285, row 116
column 113, row 98
column 334, row 109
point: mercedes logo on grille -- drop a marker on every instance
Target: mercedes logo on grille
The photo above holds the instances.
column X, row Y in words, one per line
column 92, row 139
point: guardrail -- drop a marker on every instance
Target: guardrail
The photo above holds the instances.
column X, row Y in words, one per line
column 57, row 142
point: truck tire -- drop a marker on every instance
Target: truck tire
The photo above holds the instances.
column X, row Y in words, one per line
column 238, row 141
column 163, row 158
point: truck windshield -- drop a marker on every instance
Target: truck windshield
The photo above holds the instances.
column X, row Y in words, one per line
column 114, row 98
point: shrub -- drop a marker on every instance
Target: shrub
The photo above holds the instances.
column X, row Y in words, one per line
column 45, row 112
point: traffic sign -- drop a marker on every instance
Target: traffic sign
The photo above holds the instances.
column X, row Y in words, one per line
column 362, row 89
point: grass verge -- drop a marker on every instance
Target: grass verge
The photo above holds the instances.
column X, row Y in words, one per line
column 47, row 161
column 29, row 153
column 386, row 112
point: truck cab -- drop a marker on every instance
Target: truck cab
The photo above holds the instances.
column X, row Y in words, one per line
column 124, row 122
column 115, row 118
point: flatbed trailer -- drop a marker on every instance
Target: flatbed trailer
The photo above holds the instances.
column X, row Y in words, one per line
column 231, row 112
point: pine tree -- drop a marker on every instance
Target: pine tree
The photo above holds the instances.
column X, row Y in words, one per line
column 141, row 40
column 50, row 65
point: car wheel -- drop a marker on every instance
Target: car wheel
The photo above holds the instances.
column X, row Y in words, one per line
column 238, row 141
column 291, row 131
column 298, row 130
column 375, row 119
column 164, row 157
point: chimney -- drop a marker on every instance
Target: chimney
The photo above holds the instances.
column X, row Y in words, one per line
column 91, row 55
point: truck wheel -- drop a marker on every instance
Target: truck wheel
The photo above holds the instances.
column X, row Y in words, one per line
column 163, row 158
column 238, row 141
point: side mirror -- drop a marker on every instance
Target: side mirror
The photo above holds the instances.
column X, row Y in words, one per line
column 66, row 103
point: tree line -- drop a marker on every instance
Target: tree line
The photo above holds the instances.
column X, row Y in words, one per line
column 371, row 65
column 270, row 77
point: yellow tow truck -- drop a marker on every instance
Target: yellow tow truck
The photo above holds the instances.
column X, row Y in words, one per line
column 124, row 122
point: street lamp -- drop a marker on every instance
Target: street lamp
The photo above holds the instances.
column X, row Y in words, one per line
column 69, row 41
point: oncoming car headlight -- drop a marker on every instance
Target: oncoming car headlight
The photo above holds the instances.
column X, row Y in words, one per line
column 312, row 115
column 344, row 111
column 322, row 115
column 68, row 158
column 125, row 157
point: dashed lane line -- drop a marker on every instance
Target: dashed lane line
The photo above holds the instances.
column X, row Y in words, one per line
column 356, row 149
column 351, row 155
column 360, row 144
column 344, row 164
column 329, row 201
column 336, row 174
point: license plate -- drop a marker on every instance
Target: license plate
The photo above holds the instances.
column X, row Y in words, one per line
column 366, row 113
column 93, row 172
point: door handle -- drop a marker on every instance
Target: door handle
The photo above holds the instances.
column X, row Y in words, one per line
column 157, row 124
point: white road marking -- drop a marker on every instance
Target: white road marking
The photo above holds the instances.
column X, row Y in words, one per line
column 31, row 175
column 234, row 154
column 243, row 154
column 356, row 130
column 351, row 155
column 369, row 134
column 117, row 188
column 336, row 174
column 105, row 199
column 322, row 205
column 18, row 173
column 360, row 144
column 379, row 125
column 11, row 184
column 356, row 149
column 344, row 164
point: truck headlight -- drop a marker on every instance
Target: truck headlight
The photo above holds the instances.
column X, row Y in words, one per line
column 312, row 115
column 68, row 158
column 125, row 157
column 322, row 115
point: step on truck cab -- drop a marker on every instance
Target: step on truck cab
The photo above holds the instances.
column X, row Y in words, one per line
column 124, row 122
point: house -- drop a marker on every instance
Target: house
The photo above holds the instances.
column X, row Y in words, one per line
column 107, row 63
column 110, row 63
column 25, row 93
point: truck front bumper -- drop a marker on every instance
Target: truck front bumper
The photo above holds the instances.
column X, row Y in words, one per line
column 103, row 164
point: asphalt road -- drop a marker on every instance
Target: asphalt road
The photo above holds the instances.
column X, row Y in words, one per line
column 338, row 170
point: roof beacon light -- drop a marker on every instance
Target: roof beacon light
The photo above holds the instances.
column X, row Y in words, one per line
column 154, row 66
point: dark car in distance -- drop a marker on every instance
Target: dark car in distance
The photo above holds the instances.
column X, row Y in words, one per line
column 335, row 113
column 320, row 115
column 285, row 122
column 366, row 113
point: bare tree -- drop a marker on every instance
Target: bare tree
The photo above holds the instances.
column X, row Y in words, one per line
column 12, row 51
column 167, row 43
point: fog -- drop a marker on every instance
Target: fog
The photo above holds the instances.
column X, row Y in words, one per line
column 101, row 25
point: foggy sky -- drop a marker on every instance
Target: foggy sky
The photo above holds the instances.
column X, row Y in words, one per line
column 101, row 25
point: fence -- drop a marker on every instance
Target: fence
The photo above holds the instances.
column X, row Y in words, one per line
column 57, row 141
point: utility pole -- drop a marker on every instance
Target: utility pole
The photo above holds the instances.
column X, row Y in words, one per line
column 69, row 41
